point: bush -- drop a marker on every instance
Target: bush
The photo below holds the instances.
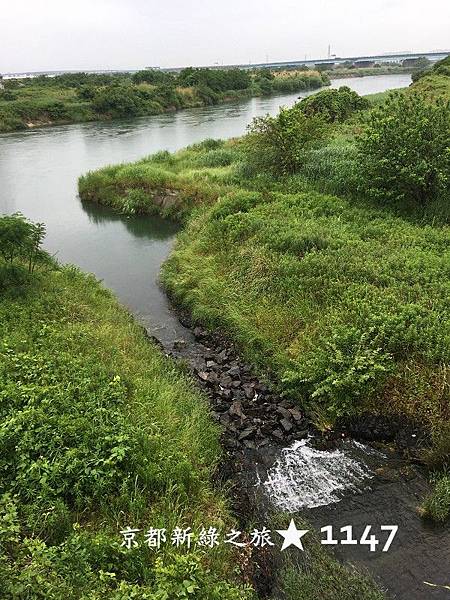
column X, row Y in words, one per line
column 119, row 101
column 152, row 76
column 334, row 105
column 404, row 151
column 280, row 144
column 20, row 248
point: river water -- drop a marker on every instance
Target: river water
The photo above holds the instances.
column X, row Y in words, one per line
column 38, row 177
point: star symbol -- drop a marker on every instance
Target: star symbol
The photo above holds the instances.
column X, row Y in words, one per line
column 292, row 536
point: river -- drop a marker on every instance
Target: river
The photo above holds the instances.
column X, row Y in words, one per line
column 38, row 177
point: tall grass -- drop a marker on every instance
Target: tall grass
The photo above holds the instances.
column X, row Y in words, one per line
column 99, row 432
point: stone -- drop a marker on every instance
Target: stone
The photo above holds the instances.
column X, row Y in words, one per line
column 286, row 425
column 234, row 371
column 249, row 391
column 225, row 419
column 236, row 410
column 226, row 381
column 296, row 414
column 212, row 377
column 226, row 393
column 246, row 433
column 283, row 412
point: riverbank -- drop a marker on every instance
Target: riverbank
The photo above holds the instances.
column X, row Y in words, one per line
column 127, row 252
column 101, row 432
column 80, row 98
column 243, row 260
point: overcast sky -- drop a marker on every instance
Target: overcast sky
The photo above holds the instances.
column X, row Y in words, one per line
column 102, row 34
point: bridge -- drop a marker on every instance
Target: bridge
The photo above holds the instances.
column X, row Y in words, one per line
column 376, row 59
column 333, row 60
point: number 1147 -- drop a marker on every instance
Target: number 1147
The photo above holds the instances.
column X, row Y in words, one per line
column 367, row 538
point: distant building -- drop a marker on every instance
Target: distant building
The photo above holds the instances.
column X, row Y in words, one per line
column 2, row 85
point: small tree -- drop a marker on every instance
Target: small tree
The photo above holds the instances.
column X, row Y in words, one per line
column 334, row 105
column 279, row 144
column 404, row 150
column 20, row 241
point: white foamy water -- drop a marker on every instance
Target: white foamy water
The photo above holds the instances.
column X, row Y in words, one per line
column 304, row 477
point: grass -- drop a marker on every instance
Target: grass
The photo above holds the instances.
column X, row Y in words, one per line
column 437, row 505
column 343, row 303
column 99, row 432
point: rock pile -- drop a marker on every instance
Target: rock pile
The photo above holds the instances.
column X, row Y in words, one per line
column 251, row 414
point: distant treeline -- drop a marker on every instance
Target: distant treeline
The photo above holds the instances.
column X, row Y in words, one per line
column 77, row 97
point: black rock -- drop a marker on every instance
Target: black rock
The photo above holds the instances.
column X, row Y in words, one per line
column 284, row 412
column 236, row 410
column 234, row 371
column 286, row 425
column 247, row 433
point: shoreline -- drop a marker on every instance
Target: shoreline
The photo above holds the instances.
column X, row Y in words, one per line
column 226, row 99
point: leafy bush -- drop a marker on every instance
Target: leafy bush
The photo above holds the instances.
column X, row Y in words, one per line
column 153, row 76
column 217, row 80
column 334, row 105
column 20, row 248
column 280, row 144
column 404, row 151
column 119, row 101
column 344, row 370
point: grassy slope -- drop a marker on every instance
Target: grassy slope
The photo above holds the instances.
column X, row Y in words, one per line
column 99, row 431
column 340, row 301
column 344, row 303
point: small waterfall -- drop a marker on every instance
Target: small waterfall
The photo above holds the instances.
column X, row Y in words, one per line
column 304, row 477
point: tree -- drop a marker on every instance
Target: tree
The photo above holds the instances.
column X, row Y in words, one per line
column 280, row 144
column 334, row 105
column 404, row 150
column 21, row 240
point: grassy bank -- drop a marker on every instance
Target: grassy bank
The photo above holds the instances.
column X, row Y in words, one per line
column 80, row 97
column 342, row 298
column 99, row 432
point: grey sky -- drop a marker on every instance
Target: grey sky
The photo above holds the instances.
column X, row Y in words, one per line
column 91, row 34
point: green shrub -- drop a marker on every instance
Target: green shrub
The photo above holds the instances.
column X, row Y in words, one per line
column 333, row 105
column 20, row 249
column 119, row 101
column 99, row 431
column 280, row 144
column 404, row 151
